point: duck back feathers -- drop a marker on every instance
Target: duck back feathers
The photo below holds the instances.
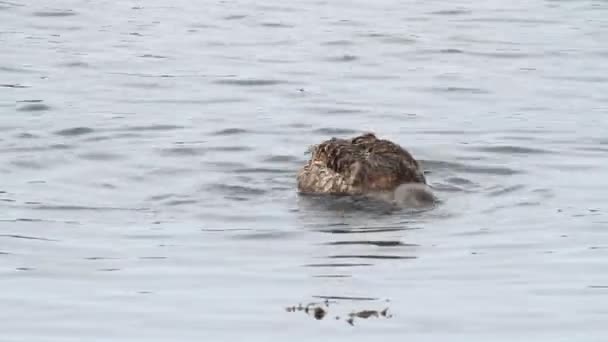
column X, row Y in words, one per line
column 359, row 165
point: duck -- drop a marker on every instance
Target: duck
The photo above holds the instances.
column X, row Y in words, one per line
column 364, row 165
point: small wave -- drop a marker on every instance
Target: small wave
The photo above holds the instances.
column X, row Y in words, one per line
column 512, row 150
column 452, row 166
column 281, row 159
column 237, row 190
column 75, row 131
column 230, row 131
column 277, row 25
column 343, row 58
column 452, row 12
column 152, row 128
column 505, row 190
column 338, row 42
column 362, row 230
column 264, row 235
column 346, row 298
column 32, row 106
column 152, row 56
column 55, row 13
column 76, row 65
column 468, row 90
column 100, row 156
column 262, row 170
column 335, row 131
column 338, row 265
column 26, row 237
column 235, row 17
column 17, row 86
column 384, row 243
column 371, row 256
column 183, row 151
column 249, row 82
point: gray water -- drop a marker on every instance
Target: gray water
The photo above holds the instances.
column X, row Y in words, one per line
column 149, row 151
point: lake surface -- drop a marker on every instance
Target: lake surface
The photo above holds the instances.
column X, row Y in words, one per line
column 149, row 152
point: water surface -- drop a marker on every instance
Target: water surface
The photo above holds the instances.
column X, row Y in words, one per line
column 149, row 153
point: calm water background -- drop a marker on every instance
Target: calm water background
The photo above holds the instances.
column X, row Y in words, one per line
column 149, row 150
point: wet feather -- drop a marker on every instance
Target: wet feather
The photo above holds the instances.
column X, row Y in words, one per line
column 359, row 165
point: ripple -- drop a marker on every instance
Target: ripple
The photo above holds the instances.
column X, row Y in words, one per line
column 371, row 256
column 144, row 85
column 506, row 149
column 346, row 298
column 384, row 243
column 578, row 78
column 113, row 136
column 338, row 265
column 10, row 3
column 225, row 229
column 347, row 22
column 237, row 190
column 262, row 170
column 153, row 56
column 334, row 110
column 503, row 54
column 459, row 90
column 231, row 131
column 344, row 58
column 460, row 181
column 15, row 69
column 511, row 20
column 265, row 235
column 235, row 17
column 16, row 86
column 36, row 148
column 505, row 190
column 452, row 12
column 76, row 64
column 174, row 203
column 183, row 151
column 29, row 164
column 100, row 156
column 75, row 131
column 398, row 40
column 153, row 257
column 152, row 128
column 249, row 82
column 448, row 51
column 227, row 166
column 25, row 269
column 281, row 159
column 335, row 131
column 32, row 106
column 338, row 42
column 55, row 13
column 458, row 167
column 26, row 237
column 362, row 230
column 276, row 25
column 84, row 208
column 229, row 148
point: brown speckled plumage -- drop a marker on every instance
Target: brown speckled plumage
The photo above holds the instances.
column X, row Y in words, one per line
column 360, row 165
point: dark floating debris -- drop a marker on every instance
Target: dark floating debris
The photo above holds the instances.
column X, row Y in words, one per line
column 314, row 309
column 320, row 310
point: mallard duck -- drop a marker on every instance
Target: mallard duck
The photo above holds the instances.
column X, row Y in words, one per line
column 359, row 166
